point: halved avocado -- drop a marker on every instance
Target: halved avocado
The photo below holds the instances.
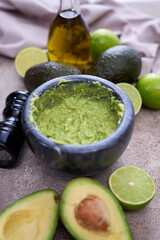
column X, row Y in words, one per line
column 89, row 211
column 33, row 217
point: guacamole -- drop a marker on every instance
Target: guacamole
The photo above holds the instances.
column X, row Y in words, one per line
column 76, row 113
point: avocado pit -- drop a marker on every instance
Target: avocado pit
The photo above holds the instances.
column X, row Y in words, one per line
column 92, row 214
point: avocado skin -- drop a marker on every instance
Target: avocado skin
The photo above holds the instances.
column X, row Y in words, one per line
column 41, row 73
column 119, row 64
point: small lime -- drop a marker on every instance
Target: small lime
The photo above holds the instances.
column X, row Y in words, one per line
column 149, row 88
column 101, row 40
column 29, row 57
column 133, row 94
column 132, row 186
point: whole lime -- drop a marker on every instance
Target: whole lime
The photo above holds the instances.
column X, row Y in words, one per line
column 101, row 40
column 149, row 88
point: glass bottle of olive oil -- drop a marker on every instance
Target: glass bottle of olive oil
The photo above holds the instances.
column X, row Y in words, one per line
column 69, row 39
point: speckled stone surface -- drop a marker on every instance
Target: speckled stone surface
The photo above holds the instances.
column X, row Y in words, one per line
column 30, row 174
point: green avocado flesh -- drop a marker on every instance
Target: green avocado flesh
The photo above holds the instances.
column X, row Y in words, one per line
column 34, row 217
column 89, row 210
column 76, row 113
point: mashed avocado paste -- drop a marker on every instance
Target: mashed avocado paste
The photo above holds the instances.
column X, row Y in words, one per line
column 76, row 113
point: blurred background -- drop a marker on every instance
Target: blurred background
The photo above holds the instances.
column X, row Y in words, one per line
column 147, row 6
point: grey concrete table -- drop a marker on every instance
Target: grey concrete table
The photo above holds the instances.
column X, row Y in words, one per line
column 31, row 175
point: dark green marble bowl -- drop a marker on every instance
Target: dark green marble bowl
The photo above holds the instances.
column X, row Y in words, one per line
column 81, row 160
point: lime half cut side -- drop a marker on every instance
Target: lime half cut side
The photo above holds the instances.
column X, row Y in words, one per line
column 132, row 186
column 29, row 57
column 133, row 94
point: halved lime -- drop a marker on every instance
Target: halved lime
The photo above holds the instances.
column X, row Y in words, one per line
column 149, row 88
column 29, row 57
column 133, row 94
column 132, row 186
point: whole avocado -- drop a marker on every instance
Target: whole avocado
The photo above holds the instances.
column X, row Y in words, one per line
column 41, row 73
column 119, row 64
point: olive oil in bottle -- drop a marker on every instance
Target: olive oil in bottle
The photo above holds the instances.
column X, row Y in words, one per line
column 69, row 39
